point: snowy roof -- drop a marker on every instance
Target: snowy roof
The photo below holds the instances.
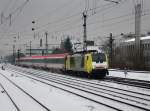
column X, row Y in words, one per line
column 94, row 48
column 142, row 38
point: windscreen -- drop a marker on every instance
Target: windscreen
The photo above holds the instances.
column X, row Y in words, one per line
column 98, row 57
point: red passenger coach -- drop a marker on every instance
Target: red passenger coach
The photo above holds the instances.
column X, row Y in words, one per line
column 53, row 62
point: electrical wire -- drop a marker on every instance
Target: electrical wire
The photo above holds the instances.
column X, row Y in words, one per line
column 56, row 9
column 72, row 27
column 56, row 21
column 66, row 18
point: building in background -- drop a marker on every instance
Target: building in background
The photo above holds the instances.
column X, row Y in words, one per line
column 124, row 53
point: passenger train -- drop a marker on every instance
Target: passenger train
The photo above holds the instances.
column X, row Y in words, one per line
column 91, row 63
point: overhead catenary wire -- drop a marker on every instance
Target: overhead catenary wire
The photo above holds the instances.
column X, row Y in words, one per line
column 64, row 5
column 12, row 13
column 68, row 17
column 6, row 7
column 114, row 18
column 113, row 24
column 72, row 28
column 49, row 13
column 66, row 29
column 57, row 21
column 62, row 19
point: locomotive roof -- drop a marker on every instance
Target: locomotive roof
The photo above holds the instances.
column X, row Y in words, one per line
column 88, row 51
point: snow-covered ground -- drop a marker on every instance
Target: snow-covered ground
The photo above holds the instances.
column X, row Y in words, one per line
column 132, row 75
column 5, row 103
column 54, row 99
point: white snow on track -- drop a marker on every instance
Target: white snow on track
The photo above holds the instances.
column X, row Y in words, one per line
column 5, row 103
column 24, row 102
column 132, row 75
column 54, row 99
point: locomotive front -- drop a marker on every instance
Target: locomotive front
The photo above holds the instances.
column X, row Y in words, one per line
column 99, row 64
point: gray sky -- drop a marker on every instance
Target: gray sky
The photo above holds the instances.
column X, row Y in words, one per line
column 64, row 17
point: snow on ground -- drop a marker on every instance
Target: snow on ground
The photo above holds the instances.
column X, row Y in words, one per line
column 104, row 100
column 5, row 103
column 125, row 87
column 24, row 102
column 55, row 99
column 131, row 75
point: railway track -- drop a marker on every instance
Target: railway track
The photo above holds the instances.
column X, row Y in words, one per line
column 26, row 93
column 126, row 99
column 69, row 91
column 87, row 81
column 127, row 81
column 4, row 91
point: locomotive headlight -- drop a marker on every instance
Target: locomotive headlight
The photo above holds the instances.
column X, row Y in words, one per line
column 94, row 66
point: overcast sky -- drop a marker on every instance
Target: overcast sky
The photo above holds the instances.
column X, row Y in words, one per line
column 64, row 17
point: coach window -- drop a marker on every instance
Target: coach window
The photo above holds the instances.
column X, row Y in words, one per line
column 145, row 46
column 132, row 47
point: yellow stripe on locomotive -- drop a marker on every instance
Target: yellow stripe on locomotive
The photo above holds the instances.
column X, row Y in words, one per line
column 88, row 63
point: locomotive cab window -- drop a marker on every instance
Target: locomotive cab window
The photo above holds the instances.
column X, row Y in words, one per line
column 98, row 57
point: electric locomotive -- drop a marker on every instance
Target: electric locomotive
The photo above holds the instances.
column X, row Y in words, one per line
column 90, row 63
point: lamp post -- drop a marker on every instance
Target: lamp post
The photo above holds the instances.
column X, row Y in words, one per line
column 33, row 22
column 46, row 43
column 14, row 42
column 30, row 47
